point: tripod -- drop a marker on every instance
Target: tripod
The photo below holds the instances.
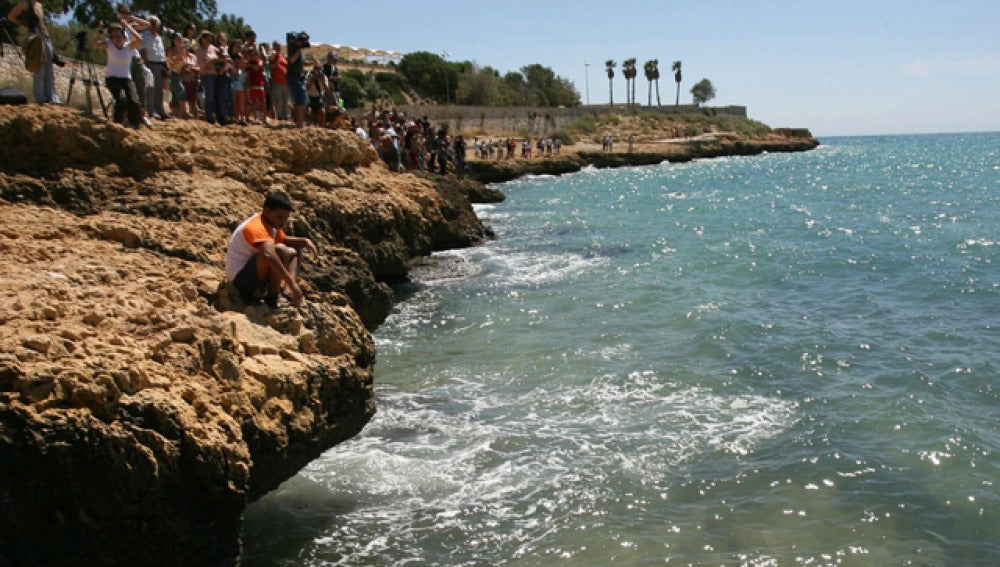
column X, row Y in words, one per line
column 84, row 67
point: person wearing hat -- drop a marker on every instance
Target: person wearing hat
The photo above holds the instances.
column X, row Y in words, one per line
column 207, row 55
column 261, row 258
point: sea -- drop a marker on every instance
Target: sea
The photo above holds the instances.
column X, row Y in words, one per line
column 784, row 359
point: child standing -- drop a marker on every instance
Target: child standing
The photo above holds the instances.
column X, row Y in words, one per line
column 239, row 89
column 256, row 82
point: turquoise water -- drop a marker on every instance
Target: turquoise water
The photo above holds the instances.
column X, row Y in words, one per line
column 788, row 359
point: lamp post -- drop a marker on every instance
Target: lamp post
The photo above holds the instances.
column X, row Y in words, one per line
column 586, row 67
column 447, row 89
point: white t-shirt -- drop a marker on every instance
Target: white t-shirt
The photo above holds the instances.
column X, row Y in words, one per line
column 245, row 241
column 119, row 61
column 153, row 44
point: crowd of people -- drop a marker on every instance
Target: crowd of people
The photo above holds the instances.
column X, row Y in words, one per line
column 240, row 81
column 213, row 78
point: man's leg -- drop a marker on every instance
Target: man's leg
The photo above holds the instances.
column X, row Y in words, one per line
column 290, row 258
column 266, row 272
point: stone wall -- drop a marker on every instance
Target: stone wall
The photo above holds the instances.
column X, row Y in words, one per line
column 506, row 119
column 538, row 120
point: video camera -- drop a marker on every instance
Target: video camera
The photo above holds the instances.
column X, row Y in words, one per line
column 296, row 40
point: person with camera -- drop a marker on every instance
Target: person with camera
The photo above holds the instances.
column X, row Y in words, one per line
column 137, row 67
column 118, row 73
column 295, row 77
column 38, row 49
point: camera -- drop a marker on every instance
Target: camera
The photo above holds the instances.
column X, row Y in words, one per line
column 81, row 41
column 297, row 40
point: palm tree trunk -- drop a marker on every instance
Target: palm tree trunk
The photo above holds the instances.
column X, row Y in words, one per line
column 658, row 92
column 678, row 101
column 633, row 91
column 611, row 93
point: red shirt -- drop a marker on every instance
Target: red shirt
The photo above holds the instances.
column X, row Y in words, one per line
column 279, row 68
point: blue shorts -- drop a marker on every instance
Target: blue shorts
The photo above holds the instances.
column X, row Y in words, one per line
column 297, row 91
column 246, row 280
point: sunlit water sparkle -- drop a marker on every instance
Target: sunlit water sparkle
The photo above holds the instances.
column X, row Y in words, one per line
column 775, row 360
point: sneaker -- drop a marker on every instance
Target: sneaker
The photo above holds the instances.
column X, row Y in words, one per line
column 147, row 122
column 273, row 300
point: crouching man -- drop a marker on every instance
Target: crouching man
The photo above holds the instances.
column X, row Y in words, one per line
column 260, row 258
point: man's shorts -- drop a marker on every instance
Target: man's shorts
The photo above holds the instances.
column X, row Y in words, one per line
column 246, row 281
column 297, row 91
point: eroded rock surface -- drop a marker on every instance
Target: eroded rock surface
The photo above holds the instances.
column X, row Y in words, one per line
column 141, row 406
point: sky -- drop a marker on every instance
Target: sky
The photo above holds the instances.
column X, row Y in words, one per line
column 836, row 67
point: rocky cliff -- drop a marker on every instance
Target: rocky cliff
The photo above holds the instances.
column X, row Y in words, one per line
column 142, row 408
column 682, row 150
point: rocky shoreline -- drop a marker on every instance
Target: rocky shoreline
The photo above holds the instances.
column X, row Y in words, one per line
column 141, row 406
column 780, row 140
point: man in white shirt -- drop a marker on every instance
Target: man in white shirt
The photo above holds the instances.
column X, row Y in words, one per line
column 155, row 56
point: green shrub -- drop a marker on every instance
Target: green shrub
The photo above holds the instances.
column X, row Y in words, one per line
column 568, row 138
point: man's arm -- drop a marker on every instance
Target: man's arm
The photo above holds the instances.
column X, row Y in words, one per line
column 138, row 23
column 136, row 40
column 271, row 254
column 301, row 242
column 15, row 12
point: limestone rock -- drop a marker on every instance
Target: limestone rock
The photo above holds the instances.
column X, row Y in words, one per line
column 142, row 405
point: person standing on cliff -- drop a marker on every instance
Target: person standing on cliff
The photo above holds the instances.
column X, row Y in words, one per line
column 261, row 257
column 30, row 14
column 118, row 72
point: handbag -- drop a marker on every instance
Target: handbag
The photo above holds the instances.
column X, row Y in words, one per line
column 34, row 53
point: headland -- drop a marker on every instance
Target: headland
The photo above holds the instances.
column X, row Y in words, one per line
column 141, row 406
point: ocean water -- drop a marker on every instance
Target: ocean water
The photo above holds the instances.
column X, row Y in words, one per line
column 787, row 359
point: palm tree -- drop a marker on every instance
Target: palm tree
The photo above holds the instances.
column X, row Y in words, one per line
column 656, row 78
column 610, row 66
column 652, row 70
column 676, row 68
column 630, row 72
column 647, row 69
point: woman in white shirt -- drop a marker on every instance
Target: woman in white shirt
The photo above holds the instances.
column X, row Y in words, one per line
column 118, row 73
